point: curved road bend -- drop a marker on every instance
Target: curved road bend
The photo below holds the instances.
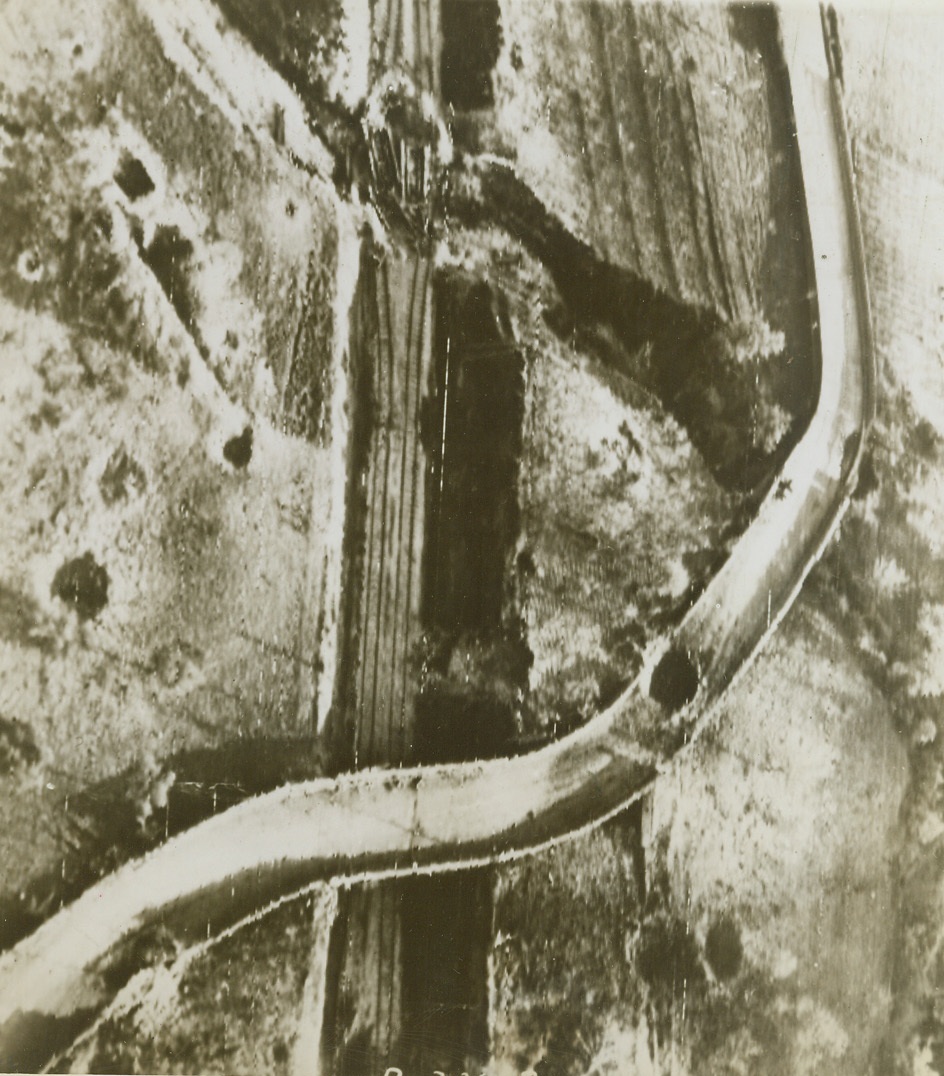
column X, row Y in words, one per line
column 376, row 823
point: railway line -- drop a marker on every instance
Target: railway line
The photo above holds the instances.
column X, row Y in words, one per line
column 388, row 615
column 393, row 346
column 405, row 33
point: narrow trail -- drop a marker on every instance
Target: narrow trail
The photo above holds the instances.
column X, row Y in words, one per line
column 377, row 823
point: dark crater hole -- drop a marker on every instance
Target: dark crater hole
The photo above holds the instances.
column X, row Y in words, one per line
column 167, row 256
column 83, row 584
column 133, row 178
column 723, row 948
column 238, row 450
column 674, row 680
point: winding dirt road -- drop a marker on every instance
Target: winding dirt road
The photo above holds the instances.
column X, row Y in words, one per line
column 376, row 823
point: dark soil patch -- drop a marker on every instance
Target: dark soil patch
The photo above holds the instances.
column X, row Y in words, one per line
column 122, row 472
column 17, row 746
column 12, row 127
column 339, row 729
column 151, row 946
column 667, row 957
column 453, row 725
column 32, row 1038
column 447, row 923
column 20, row 619
column 472, row 434
column 471, row 33
column 445, row 936
column 308, row 376
column 868, row 479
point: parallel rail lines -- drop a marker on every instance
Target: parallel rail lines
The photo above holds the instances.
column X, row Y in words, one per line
column 369, row 933
column 388, row 617
column 405, row 39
